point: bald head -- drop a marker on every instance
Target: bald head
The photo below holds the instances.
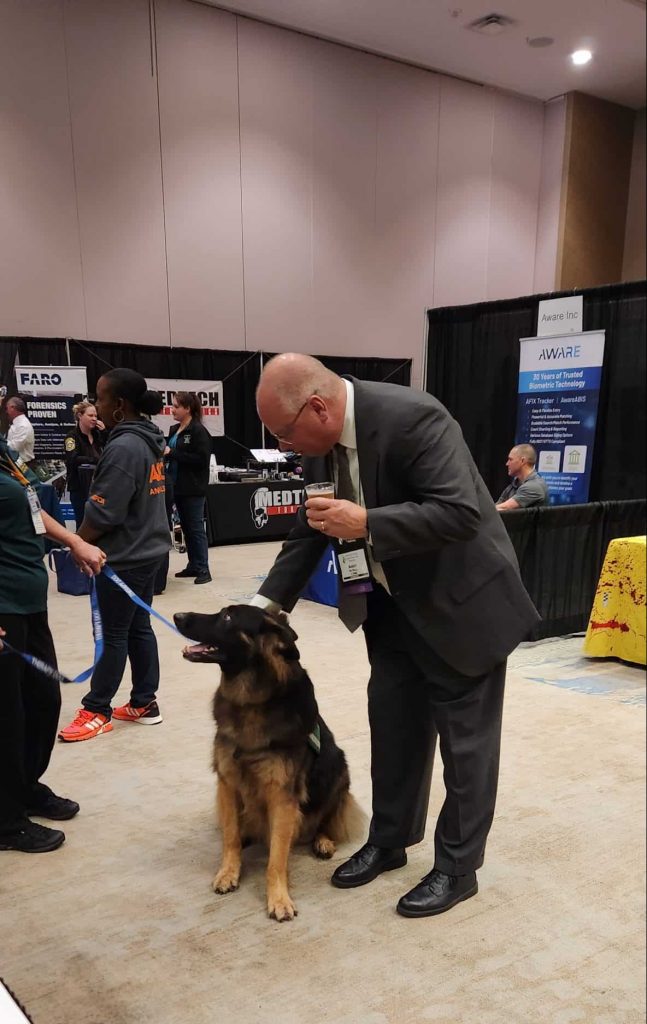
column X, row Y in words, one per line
column 302, row 403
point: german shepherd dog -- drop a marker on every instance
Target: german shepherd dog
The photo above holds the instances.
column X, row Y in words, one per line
column 274, row 785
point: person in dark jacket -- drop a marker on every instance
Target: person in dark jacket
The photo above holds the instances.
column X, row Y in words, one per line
column 187, row 454
column 126, row 510
column 82, row 449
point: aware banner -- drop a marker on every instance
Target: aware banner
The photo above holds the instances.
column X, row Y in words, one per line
column 209, row 392
column 559, row 387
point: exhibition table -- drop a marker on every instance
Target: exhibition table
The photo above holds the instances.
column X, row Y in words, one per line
column 617, row 623
column 252, row 511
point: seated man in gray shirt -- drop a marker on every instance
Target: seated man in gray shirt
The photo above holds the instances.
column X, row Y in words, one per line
column 527, row 488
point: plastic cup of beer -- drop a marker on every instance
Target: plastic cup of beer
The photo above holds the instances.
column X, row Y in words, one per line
column 325, row 489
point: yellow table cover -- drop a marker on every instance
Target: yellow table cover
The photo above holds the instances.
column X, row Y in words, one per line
column 617, row 624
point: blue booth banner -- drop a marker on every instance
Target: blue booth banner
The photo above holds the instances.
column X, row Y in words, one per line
column 559, row 387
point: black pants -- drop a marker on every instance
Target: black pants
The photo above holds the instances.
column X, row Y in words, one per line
column 127, row 634
column 413, row 698
column 77, row 501
column 29, row 708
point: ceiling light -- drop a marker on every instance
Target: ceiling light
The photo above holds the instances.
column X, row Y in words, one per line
column 581, row 56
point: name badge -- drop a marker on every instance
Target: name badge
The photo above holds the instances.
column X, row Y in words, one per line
column 36, row 511
column 353, row 561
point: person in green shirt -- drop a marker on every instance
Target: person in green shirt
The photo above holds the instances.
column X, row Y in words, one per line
column 30, row 701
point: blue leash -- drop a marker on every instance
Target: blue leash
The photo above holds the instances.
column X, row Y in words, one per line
column 97, row 631
column 49, row 670
column 133, row 597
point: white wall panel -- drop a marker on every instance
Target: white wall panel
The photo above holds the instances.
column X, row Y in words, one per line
column 40, row 266
column 198, row 99
column 407, row 156
column 276, row 126
column 113, row 99
column 516, row 168
column 464, row 192
column 243, row 186
column 344, row 215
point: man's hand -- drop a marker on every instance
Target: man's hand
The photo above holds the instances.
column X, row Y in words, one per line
column 2, row 633
column 90, row 559
column 337, row 518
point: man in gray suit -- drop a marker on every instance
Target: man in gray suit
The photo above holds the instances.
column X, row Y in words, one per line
column 431, row 576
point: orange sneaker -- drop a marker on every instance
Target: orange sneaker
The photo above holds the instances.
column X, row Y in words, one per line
column 85, row 726
column 150, row 715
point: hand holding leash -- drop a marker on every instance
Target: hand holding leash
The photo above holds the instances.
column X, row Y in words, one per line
column 89, row 558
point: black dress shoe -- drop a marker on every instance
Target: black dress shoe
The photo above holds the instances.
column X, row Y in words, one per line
column 186, row 574
column 32, row 838
column 203, row 577
column 57, row 808
column 436, row 893
column 367, row 864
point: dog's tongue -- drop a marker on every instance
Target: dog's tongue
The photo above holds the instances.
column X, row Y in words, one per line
column 193, row 651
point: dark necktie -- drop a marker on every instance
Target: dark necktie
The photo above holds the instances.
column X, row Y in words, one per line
column 351, row 607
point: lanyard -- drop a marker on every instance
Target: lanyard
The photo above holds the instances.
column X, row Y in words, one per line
column 9, row 466
column 49, row 670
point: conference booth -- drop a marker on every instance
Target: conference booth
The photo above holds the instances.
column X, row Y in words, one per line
column 473, row 367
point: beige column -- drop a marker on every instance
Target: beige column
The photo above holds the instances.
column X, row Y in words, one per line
column 595, row 188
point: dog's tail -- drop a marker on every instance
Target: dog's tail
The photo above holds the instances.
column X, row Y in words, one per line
column 349, row 824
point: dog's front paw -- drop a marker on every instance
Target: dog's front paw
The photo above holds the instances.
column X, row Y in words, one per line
column 323, row 847
column 281, row 908
column 225, row 881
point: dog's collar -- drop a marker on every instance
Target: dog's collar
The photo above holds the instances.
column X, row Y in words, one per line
column 314, row 739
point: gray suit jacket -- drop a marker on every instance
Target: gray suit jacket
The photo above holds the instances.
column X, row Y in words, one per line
column 446, row 555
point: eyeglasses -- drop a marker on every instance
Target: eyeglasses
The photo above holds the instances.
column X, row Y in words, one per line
column 284, row 435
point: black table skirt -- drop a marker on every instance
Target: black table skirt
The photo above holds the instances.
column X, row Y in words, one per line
column 265, row 510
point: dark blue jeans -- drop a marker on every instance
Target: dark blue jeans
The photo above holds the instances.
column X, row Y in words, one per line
column 127, row 633
column 191, row 512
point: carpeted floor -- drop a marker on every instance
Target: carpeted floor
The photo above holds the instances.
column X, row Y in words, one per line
column 120, row 925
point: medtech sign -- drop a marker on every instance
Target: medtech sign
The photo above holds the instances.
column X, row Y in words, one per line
column 210, row 395
column 559, row 388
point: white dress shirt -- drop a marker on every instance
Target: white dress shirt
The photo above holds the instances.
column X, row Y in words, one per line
column 349, row 440
column 20, row 437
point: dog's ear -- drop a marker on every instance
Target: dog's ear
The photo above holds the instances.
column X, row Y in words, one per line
column 283, row 629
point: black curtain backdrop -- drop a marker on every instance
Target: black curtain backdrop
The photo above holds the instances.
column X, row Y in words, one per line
column 473, row 368
column 561, row 550
column 239, row 372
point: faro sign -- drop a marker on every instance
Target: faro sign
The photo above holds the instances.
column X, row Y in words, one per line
column 52, row 380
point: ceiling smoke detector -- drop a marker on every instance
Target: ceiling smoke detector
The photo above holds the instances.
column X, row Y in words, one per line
column 491, row 24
